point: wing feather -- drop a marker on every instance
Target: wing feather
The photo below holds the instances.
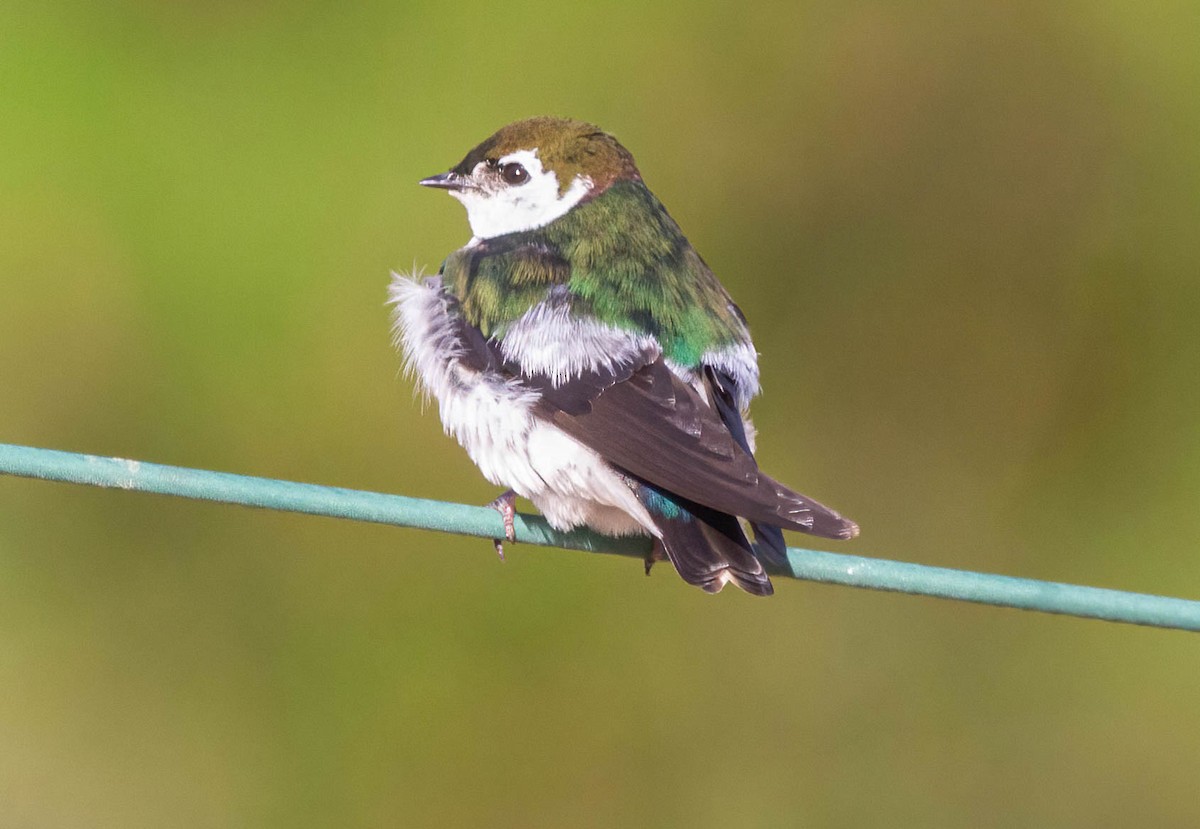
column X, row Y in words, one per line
column 656, row 427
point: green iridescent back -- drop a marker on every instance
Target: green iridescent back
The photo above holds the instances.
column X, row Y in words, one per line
column 625, row 262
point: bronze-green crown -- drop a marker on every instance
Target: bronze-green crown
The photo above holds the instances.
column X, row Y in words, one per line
column 568, row 147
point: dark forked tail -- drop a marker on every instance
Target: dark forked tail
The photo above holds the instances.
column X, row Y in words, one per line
column 708, row 548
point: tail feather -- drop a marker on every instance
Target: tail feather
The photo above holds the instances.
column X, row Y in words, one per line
column 707, row 548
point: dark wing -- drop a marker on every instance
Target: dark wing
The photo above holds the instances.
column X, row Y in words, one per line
column 721, row 391
column 576, row 396
column 656, row 427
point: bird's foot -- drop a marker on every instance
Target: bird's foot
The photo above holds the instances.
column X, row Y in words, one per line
column 505, row 505
column 657, row 553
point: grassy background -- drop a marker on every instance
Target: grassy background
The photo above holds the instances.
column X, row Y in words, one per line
column 966, row 239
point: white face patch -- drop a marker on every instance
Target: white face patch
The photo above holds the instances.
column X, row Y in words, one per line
column 510, row 208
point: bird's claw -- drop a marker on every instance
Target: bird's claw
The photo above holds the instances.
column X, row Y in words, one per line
column 656, row 553
column 505, row 505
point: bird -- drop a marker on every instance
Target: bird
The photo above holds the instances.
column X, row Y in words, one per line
column 589, row 361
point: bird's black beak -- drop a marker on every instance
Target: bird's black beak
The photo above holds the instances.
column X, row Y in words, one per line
column 446, row 181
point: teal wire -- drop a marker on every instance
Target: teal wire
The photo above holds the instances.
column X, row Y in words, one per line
column 811, row 565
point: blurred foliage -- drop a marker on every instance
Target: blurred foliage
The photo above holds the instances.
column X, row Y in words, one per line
column 965, row 235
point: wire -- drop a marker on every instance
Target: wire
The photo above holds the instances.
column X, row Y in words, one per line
column 377, row 507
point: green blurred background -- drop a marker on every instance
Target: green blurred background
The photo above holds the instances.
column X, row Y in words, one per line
column 967, row 238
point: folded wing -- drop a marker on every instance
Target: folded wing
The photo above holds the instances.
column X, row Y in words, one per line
column 656, row 427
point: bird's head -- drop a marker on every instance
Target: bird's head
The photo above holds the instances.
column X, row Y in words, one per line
column 532, row 172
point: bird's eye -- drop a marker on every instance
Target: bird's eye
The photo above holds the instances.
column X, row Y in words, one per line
column 514, row 173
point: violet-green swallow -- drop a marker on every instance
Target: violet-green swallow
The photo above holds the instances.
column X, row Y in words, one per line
column 586, row 358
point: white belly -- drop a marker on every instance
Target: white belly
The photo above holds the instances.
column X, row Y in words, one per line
column 493, row 420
